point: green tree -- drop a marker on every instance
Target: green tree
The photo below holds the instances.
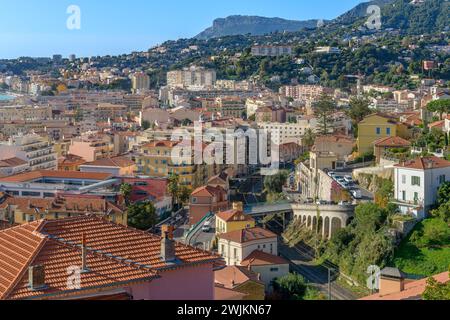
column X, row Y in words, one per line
column 146, row 125
column 274, row 184
column 173, row 188
column 359, row 109
column 309, row 138
column 142, row 215
column 440, row 106
column 436, row 290
column 323, row 110
column 444, row 193
column 290, row 287
column 125, row 190
column 185, row 194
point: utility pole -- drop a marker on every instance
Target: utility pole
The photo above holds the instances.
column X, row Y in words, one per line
column 329, row 284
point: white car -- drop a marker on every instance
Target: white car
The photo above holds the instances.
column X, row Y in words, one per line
column 357, row 194
column 348, row 179
column 207, row 226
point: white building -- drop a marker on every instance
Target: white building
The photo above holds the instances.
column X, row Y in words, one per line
column 34, row 149
column 289, row 132
column 417, row 183
column 236, row 246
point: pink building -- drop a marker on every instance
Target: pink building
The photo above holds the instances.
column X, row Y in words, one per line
column 90, row 258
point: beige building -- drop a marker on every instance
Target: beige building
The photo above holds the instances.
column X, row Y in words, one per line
column 237, row 245
column 36, row 150
column 92, row 148
column 25, row 113
column 193, row 77
column 140, row 81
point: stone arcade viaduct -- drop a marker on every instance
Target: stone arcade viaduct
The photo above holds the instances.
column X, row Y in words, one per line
column 332, row 217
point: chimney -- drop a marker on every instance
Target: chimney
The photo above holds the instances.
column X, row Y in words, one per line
column 392, row 280
column 36, row 277
column 169, row 229
column 167, row 248
column 84, row 267
column 238, row 206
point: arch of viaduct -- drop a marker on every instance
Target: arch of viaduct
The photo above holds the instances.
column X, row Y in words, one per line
column 332, row 217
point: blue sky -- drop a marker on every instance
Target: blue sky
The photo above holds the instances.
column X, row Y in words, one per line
column 38, row 28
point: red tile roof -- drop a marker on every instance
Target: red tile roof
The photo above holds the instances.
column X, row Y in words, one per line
column 208, row 191
column 12, row 162
column 69, row 203
column 121, row 162
column 426, row 163
column 117, row 256
column 392, row 142
column 260, row 258
column 248, row 235
column 233, row 215
column 413, row 290
column 233, row 276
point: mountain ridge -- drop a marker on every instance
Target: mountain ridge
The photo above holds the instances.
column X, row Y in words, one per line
column 254, row 25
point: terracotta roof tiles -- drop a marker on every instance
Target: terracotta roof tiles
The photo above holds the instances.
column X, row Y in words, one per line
column 117, row 255
column 248, row 235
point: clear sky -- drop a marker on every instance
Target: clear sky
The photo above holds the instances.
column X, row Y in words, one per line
column 38, row 28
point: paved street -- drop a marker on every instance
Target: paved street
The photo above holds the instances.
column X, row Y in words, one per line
column 316, row 275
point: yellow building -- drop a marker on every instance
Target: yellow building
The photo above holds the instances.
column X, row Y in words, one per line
column 375, row 127
column 156, row 160
column 233, row 220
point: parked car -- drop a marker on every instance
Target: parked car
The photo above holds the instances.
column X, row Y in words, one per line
column 207, row 226
column 348, row 179
column 357, row 194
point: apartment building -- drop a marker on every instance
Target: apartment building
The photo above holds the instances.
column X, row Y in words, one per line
column 272, row 51
column 36, row 150
column 92, row 147
column 25, row 113
column 230, row 107
column 105, row 111
column 162, row 158
column 193, row 77
column 21, row 210
column 305, row 92
column 140, row 81
column 282, row 133
column 417, row 183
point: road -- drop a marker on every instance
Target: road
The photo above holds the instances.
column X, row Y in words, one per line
column 366, row 195
column 316, row 275
column 203, row 240
column 301, row 258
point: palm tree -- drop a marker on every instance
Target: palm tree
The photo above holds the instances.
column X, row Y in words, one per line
column 173, row 188
column 309, row 138
column 126, row 190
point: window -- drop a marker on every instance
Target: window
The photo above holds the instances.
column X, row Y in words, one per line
column 194, row 200
column 442, row 179
column 415, row 181
column 235, row 253
column 378, row 131
column 416, row 197
column 388, row 131
column 404, row 195
column 274, row 269
column 404, row 179
column 222, row 250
